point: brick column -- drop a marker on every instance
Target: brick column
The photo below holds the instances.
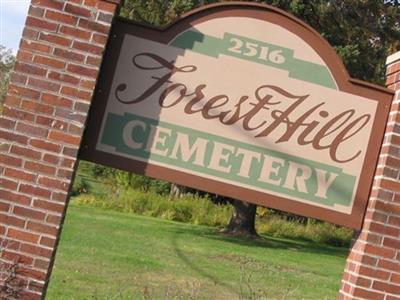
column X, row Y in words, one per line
column 40, row 133
column 373, row 265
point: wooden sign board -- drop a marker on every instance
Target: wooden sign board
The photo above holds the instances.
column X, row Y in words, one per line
column 241, row 100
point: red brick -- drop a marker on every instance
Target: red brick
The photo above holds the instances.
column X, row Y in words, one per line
column 34, row 166
column 23, row 151
column 81, row 107
column 17, row 257
column 18, row 78
column 105, row 17
column 394, row 221
column 64, row 77
column 40, row 23
column 44, row 84
column 47, row 241
column 45, row 145
column 53, row 183
column 380, row 251
column 391, row 185
column 50, row 62
column 10, row 161
column 31, row 273
column 37, row 107
column 51, row 122
column 41, row 264
column 77, row 10
column 61, row 18
column 55, row 39
column 395, row 278
column 32, row 130
column 387, row 207
column 12, row 220
column 12, row 101
column 34, row 285
column 90, row 25
column 56, row 100
column 34, row 46
column 5, row 135
column 391, row 243
column 69, row 55
column 29, row 213
column 51, row 159
column 99, row 38
column 386, row 287
column 5, row 207
column 49, row 206
column 65, row 138
column 75, row 93
column 75, row 32
column 76, row 130
column 23, row 92
column 14, row 197
column 366, row 294
column 30, row 33
column 27, row 295
column 24, row 56
column 34, row 190
column 89, row 48
column 373, row 273
column 93, row 61
column 8, row 184
column 64, row 174
column 389, row 265
column 92, row 3
column 55, row 4
column 20, row 175
column 22, row 235
column 52, row 219
column 59, row 197
column 84, row 71
column 70, row 115
column 7, row 124
column 42, row 228
column 106, row 6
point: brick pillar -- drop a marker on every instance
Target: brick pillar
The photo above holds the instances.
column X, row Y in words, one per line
column 40, row 133
column 373, row 266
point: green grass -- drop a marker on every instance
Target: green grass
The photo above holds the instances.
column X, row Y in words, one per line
column 112, row 255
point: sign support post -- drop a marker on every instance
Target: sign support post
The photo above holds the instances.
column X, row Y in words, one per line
column 373, row 265
column 40, row 133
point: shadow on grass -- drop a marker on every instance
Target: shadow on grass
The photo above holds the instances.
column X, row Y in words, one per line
column 269, row 242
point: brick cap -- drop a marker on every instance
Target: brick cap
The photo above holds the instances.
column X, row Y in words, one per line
column 393, row 58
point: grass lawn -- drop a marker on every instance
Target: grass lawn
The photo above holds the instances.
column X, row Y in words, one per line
column 111, row 255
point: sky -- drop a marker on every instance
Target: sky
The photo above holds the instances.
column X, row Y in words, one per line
column 12, row 19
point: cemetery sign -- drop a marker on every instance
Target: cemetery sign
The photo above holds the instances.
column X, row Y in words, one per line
column 244, row 101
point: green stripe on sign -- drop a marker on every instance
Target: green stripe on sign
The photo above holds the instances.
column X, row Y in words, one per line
column 200, row 153
column 256, row 51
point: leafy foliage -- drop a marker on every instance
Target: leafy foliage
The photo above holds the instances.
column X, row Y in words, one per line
column 7, row 61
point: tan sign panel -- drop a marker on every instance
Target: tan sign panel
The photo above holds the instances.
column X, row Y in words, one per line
column 243, row 101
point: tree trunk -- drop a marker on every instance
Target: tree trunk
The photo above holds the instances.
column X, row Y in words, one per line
column 243, row 219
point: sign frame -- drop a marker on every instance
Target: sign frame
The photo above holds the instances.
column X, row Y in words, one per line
column 346, row 84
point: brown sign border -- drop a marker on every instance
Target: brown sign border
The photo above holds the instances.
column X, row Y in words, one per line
column 258, row 11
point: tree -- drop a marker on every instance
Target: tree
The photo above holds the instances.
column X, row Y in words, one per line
column 363, row 33
column 7, row 61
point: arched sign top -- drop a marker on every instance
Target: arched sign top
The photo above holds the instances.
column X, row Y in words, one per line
column 242, row 100
column 329, row 69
